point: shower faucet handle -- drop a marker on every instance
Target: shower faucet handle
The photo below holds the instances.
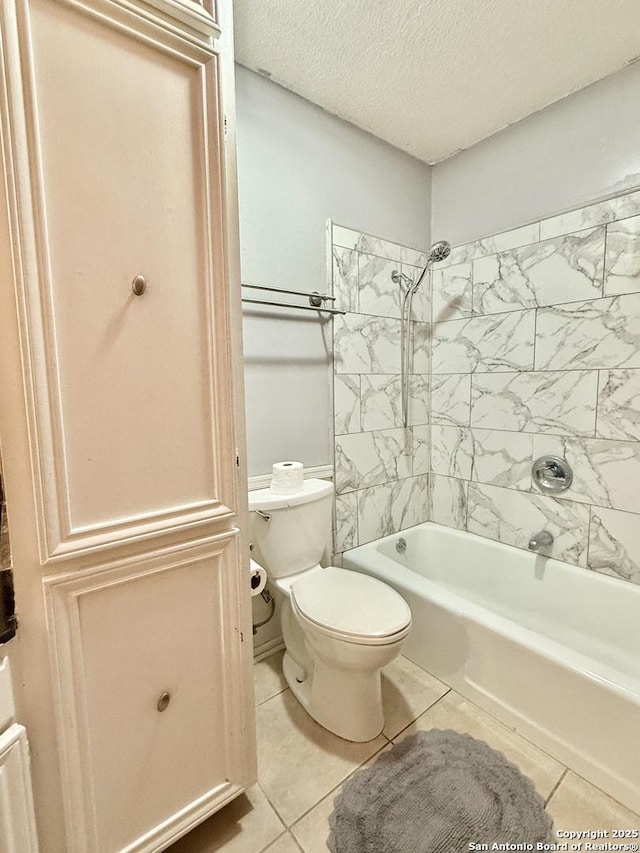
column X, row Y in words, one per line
column 556, row 471
column 552, row 475
column 540, row 540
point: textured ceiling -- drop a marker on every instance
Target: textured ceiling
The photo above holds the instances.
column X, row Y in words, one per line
column 435, row 76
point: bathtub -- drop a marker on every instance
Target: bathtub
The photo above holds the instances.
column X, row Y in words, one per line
column 550, row 649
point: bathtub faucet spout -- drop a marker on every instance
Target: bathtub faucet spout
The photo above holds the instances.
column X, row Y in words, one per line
column 540, row 540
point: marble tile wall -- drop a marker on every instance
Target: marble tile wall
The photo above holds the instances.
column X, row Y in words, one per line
column 536, row 350
column 381, row 468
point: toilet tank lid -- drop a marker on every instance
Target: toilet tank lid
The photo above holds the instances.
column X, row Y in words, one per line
column 312, row 490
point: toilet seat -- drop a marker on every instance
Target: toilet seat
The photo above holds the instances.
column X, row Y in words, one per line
column 351, row 606
column 356, row 640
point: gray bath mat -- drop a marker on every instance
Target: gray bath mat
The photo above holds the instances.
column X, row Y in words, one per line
column 437, row 792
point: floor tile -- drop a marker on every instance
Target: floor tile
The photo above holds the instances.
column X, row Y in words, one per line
column 284, row 844
column 407, row 691
column 268, row 679
column 312, row 830
column 246, row 825
column 455, row 712
column 299, row 762
column 578, row 805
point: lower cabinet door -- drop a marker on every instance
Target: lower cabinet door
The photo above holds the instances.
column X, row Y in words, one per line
column 155, row 725
column 17, row 825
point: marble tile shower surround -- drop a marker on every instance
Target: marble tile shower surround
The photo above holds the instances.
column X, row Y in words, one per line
column 536, row 350
column 381, row 468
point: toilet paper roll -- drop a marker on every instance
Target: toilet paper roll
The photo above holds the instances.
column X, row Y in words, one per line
column 257, row 578
column 287, row 478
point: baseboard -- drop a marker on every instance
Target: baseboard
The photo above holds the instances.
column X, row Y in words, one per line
column 265, row 650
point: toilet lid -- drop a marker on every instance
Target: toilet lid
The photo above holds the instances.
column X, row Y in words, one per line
column 351, row 603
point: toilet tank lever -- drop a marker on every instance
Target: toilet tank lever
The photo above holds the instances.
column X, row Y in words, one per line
column 265, row 515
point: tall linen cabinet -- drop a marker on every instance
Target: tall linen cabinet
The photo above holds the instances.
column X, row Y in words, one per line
column 121, row 416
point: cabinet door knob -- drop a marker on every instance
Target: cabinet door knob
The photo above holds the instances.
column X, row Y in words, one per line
column 139, row 285
column 163, row 701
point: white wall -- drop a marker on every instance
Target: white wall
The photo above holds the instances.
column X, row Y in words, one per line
column 582, row 149
column 299, row 166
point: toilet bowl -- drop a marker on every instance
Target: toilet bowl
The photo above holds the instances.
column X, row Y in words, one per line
column 340, row 628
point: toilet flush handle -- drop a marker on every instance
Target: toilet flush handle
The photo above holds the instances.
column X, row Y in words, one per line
column 265, row 515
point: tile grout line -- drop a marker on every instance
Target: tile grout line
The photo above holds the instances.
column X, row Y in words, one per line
column 496, row 720
column 273, row 841
column 523, row 491
column 561, row 306
column 523, row 371
column 588, row 554
column 563, row 776
column 604, row 257
column 466, row 505
column 273, row 696
column 286, row 834
column 342, row 782
column 423, row 712
column 493, row 372
column 503, row 725
column 564, row 435
column 535, row 336
column 495, row 314
column 276, row 812
column 597, row 406
column 600, row 791
column 295, row 840
column 573, row 437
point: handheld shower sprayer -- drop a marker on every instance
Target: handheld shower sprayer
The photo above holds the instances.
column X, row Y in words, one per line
column 438, row 252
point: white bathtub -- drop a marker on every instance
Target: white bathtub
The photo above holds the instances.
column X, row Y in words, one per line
column 550, row 649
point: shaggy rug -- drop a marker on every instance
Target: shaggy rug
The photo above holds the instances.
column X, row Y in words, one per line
column 438, row 792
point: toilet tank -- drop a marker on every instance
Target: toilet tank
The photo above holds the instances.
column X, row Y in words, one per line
column 289, row 533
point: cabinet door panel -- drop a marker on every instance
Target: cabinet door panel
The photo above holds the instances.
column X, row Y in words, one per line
column 124, row 637
column 133, row 391
column 17, row 824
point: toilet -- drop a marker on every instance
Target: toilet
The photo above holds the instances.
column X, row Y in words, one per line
column 339, row 627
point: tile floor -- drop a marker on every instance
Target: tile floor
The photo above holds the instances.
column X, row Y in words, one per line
column 301, row 766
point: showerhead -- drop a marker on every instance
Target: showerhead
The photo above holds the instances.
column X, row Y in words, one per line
column 439, row 251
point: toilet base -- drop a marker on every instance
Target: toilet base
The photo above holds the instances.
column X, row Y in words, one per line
column 301, row 689
column 347, row 703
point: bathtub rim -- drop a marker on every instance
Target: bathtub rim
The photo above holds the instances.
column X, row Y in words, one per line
column 625, row 684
